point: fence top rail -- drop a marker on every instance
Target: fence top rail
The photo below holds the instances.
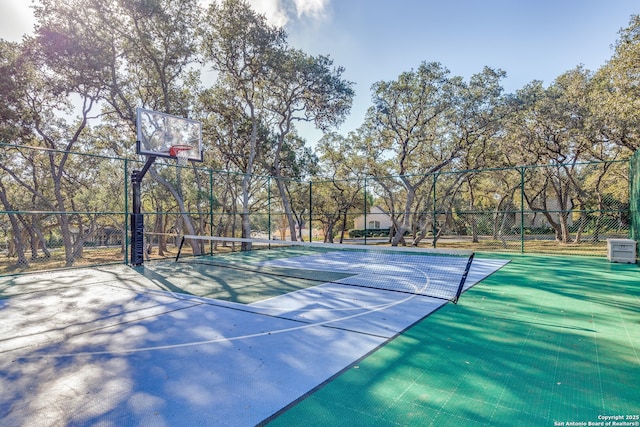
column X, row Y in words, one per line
column 506, row 168
column 63, row 213
column 55, row 150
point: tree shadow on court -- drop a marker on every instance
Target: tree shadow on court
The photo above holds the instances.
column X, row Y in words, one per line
column 90, row 347
column 242, row 284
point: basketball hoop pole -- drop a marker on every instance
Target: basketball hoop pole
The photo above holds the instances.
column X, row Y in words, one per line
column 137, row 219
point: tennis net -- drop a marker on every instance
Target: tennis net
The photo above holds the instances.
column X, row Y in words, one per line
column 435, row 273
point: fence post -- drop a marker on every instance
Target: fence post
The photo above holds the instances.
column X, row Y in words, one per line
column 634, row 196
column 125, row 238
column 310, row 210
column 522, row 210
column 435, row 211
column 365, row 210
column 210, row 209
column 269, row 206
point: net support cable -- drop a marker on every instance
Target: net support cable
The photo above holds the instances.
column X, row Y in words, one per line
column 437, row 273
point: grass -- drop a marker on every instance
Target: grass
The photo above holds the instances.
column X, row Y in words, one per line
column 532, row 246
column 90, row 256
column 109, row 255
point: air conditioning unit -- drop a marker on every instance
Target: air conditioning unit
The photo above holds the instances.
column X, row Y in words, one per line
column 621, row 250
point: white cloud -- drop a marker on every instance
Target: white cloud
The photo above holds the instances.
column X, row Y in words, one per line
column 272, row 9
column 313, row 8
column 279, row 12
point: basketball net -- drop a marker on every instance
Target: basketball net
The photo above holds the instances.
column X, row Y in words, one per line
column 181, row 153
column 183, row 157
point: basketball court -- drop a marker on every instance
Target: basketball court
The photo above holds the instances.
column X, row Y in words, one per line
column 137, row 346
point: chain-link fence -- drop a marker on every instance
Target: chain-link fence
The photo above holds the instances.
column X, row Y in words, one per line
column 634, row 203
column 570, row 209
column 61, row 209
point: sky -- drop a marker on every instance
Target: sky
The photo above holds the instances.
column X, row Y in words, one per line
column 377, row 40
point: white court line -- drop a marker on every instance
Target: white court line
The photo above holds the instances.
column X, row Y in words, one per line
column 242, row 337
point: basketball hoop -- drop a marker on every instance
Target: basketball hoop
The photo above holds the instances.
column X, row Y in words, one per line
column 181, row 153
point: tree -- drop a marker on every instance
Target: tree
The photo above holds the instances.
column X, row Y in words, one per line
column 339, row 185
column 617, row 104
column 13, row 126
column 275, row 86
column 423, row 123
column 14, row 114
column 42, row 93
column 478, row 112
column 551, row 130
column 404, row 130
column 302, row 88
column 240, row 45
column 140, row 53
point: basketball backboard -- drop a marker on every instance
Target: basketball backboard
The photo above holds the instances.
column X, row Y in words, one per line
column 164, row 135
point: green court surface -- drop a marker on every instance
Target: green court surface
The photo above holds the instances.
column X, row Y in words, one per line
column 545, row 341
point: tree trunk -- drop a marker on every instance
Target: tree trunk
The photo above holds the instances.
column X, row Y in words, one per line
column 158, row 228
column 42, row 241
column 423, row 232
column 246, row 220
column 286, row 204
column 186, row 220
column 473, row 222
column 406, row 216
column 328, row 237
column 15, row 228
column 344, row 226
